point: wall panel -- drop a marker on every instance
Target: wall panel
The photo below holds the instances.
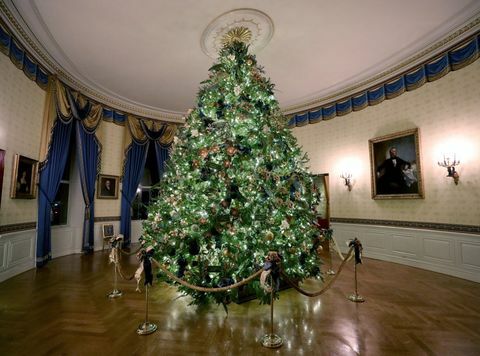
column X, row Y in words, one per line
column 428, row 249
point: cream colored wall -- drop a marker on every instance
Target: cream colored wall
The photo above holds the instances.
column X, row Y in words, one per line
column 21, row 116
column 111, row 136
column 446, row 111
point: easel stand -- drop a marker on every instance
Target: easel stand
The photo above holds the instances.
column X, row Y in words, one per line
column 271, row 341
column 146, row 327
column 356, row 297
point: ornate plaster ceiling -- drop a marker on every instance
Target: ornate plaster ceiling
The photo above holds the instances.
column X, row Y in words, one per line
column 151, row 54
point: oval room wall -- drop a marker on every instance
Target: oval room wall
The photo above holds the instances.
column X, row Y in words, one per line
column 443, row 110
column 446, row 112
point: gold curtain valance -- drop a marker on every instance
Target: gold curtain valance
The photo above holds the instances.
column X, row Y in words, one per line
column 168, row 135
column 137, row 130
column 95, row 111
column 57, row 105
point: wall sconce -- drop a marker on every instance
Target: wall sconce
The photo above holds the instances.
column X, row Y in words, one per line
column 348, row 179
column 450, row 164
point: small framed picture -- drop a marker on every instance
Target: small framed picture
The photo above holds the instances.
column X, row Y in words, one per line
column 107, row 187
column 2, row 167
column 108, row 230
column 395, row 166
column 24, row 178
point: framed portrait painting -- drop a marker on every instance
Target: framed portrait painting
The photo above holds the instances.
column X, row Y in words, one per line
column 395, row 166
column 24, row 178
column 107, row 187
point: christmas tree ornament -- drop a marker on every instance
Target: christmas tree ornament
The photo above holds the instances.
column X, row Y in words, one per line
column 269, row 236
column 225, row 203
column 231, row 150
column 235, row 212
column 203, row 153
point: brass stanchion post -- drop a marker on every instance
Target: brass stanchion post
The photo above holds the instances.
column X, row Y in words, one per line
column 330, row 271
column 356, row 297
column 147, row 327
column 272, row 341
column 115, row 293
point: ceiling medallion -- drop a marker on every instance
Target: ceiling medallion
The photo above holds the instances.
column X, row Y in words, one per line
column 246, row 25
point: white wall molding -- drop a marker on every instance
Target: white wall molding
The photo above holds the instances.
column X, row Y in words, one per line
column 18, row 249
column 17, row 253
column 453, row 253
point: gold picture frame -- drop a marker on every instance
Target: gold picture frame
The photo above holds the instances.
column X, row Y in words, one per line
column 107, row 186
column 108, row 231
column 2, row 167
column 322, row 208
column 395, row 164
column 24, row 178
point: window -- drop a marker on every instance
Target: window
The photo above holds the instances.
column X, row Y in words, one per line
column 59, row 213
column 145, row 192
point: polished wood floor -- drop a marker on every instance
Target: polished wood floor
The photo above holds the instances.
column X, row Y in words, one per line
column 62, row 309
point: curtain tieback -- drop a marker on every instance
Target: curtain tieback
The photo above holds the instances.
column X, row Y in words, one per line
column 126, row 198
column 45, row 195
column 87, row 212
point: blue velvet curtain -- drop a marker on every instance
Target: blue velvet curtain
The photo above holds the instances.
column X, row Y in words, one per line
column 162, row 155
column 50, row 177
column 87, row 151
column 134, row 166
column 87, row 158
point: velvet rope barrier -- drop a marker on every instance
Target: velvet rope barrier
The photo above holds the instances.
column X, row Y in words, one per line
column 242, row 282
column 204, row 289
column 327, row 285
column 120, row 271
column 131, row 253
column 337, row 249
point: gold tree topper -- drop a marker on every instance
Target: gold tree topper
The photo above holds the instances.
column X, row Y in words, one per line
column 239, row 34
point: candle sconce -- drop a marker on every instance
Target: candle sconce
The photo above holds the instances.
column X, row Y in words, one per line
column 348, row 180
column 450, row 163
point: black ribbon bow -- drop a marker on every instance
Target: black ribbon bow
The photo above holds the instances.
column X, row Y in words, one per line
column 272, row 263
column 357, row 246
column 147, row 266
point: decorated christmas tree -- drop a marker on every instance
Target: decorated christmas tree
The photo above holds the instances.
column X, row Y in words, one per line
column 236, row 186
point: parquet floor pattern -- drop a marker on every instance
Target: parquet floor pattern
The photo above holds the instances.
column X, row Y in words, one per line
column 62, row 309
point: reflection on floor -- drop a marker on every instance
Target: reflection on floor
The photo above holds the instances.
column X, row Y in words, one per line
column 62, row 309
